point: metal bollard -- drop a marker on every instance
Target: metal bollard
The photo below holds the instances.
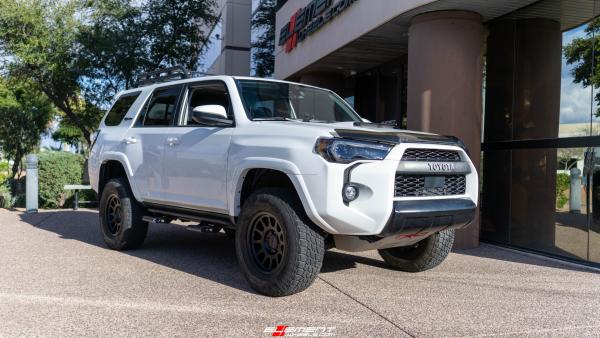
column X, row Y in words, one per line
column 31, row 184
column 575, row 191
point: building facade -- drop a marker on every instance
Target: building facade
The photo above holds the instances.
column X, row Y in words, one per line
column 515, row 80
column 227, row 50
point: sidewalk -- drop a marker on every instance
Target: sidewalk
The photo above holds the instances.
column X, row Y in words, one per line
column 58, row 279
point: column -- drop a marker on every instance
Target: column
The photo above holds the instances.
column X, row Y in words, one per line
column 235, row 47
column 445, row 74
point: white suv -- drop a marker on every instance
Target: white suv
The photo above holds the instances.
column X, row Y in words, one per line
column 287, row 169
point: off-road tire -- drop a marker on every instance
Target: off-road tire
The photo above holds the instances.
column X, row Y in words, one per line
column 131, row 232
column 303, row 250
column 425, row 255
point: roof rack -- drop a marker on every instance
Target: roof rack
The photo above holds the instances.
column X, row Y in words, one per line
column 178, row 72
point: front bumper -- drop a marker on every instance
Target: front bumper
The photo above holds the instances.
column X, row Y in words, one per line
column 377, row 202
column 429, row 216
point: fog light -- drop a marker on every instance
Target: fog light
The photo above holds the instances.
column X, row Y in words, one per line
column 350, row 192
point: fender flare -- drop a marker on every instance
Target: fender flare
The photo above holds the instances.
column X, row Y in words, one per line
column 238, row 176
column 122, row 159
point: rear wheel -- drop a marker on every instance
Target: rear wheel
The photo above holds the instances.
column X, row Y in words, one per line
column 278, row 251
column 121, row 221
column 424, row 255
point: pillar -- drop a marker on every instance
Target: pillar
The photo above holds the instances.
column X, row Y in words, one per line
column 445, row 52
column 235, row 47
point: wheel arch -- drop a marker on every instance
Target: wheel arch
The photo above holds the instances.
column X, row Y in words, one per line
column 252, row 178
column 114, row 168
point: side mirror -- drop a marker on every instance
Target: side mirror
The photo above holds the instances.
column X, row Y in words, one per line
column 211, row 114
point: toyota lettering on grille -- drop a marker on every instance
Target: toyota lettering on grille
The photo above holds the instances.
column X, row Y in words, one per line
column 441, row 167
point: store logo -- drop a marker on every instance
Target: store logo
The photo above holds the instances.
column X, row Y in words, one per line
column 300, row 331
column 308, row 20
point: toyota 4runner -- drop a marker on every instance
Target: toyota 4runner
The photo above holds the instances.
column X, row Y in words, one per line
column 287, row 169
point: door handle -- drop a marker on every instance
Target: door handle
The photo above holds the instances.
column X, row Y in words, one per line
column 129, row 140
column 173, row 141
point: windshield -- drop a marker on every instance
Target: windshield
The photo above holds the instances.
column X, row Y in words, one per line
column 267, row 100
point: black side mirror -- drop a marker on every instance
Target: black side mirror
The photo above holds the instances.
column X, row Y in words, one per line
column 211, row 114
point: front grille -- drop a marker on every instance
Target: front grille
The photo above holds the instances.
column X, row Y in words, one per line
column 421, row 185
column 431, row 155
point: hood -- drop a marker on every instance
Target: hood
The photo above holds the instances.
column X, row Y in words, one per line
column 373, row 132
column 389, row 134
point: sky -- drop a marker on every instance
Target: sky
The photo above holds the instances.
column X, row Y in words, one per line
column 575, row 100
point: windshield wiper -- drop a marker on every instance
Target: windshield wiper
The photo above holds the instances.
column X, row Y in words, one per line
column 273, row 118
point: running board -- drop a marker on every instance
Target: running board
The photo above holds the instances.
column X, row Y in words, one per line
column 187, row 215
column 203, row 227
column 152, row 219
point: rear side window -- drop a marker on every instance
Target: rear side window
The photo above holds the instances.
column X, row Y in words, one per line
column 161, row 108
column 120, row 109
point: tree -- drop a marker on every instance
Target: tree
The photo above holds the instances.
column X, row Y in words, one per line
column 122, row 40
column 263, row 54
column 40, row 38
column 80, row 53
column 584, row 53
column 24, row 116
column 568, row 157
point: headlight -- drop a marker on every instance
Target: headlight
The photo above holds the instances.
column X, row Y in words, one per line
column 346, row 151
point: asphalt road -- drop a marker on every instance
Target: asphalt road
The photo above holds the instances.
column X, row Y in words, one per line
column 58, row 279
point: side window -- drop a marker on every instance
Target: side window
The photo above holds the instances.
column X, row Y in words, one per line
column 213, row 95
column 161, row 108
column 120, row 109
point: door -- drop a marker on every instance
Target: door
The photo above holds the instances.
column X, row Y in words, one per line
column 145, row 142
column 195, row 158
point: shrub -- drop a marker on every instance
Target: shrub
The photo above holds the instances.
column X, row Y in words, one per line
column 55, row 170
column 563, row 182
column 19, row 201
column 4, row 171
column 6, row 199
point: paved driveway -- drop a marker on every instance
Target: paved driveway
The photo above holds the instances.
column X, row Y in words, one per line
column 58, row 279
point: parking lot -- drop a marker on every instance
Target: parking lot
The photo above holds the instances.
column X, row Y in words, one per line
column 58, row 279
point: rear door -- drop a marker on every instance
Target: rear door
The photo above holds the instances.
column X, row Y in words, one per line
column 145, row 141
column 195, row 160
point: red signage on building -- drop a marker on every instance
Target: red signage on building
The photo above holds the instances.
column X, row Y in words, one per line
column 308, row 20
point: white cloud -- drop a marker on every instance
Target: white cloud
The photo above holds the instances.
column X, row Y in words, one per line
column 574, row 102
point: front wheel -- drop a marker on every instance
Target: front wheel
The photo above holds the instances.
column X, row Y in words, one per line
column 121, row 221
column 278, row 251
column 425, row 255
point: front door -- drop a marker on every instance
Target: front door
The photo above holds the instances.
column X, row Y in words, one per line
column 195, row 157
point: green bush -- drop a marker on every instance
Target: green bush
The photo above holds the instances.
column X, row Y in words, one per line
column 19, row 201
column 4, row 171
column 6, row 199
column 563, row 181
column 55, row 170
